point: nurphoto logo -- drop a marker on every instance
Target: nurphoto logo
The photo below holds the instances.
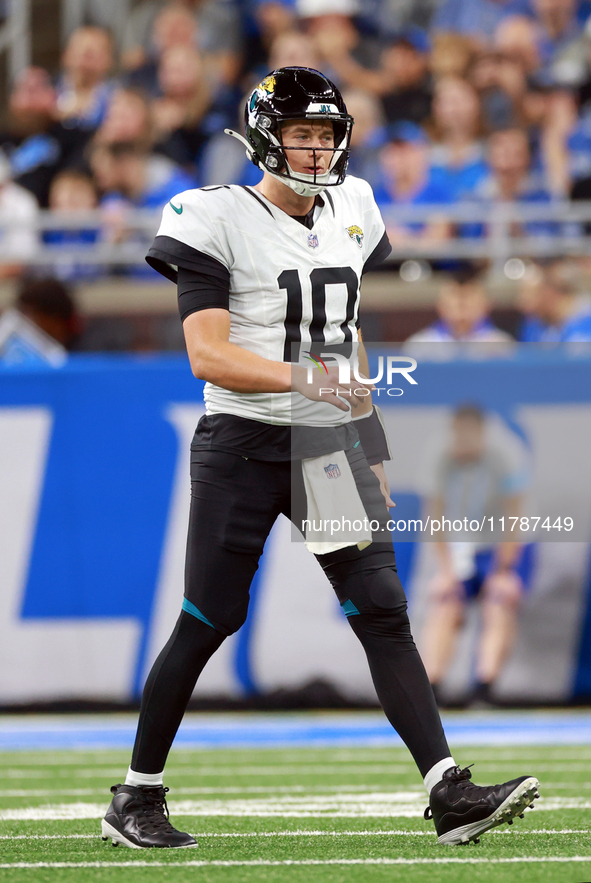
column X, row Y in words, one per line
column 388, row 368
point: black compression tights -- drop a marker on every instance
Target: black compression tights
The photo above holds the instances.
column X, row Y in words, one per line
column 168, row 690
column 402, row 684
column 396, row 668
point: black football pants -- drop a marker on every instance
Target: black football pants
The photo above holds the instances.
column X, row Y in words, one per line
column 235, row 502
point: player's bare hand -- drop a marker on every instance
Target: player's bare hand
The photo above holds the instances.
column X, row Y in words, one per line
column 380, row 473
column 321, row 387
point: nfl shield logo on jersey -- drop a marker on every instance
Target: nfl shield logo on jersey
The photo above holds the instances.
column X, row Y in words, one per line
column 313, row 240
column 332, row 470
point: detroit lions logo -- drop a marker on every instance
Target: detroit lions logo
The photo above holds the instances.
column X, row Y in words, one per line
column 356, row 234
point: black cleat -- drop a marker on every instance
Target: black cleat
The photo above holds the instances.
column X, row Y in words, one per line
column 462, row 811
column 138, row 817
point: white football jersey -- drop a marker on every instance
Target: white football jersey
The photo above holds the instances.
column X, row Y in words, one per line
column 288, row 284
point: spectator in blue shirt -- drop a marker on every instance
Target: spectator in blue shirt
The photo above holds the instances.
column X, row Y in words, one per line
column 474, row 18
column 128, row 173
column 368, row 136
column 555, row 309
column 551, row 37
column 509, row 179
column 463, row 309
column 407, row 180
column 132, row 178
column 457, row 157
column 73, row 194
column 84, row 88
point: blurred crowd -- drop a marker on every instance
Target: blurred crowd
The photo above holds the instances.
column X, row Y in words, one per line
column 455, row 101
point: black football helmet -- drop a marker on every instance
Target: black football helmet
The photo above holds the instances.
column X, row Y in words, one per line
column 295, row 93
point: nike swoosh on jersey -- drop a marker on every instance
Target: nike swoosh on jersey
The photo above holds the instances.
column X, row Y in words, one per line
column 179, row 211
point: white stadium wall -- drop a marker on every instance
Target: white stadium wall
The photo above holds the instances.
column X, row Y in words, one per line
column 94, row 495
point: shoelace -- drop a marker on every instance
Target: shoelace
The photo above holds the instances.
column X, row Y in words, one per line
column 154, row 806
column 157, row 807
column 457, row 776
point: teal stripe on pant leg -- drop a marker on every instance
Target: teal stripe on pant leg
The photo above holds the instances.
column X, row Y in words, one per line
column 194, row 611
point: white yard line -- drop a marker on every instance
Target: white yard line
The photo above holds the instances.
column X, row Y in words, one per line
column 396, row 804
column 233, row 789
column 304, row 833
column 294, row 862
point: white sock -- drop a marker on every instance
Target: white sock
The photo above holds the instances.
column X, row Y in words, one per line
column 152, row 780
column 436, row 772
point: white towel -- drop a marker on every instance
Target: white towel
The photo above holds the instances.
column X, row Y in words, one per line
column 333, row 505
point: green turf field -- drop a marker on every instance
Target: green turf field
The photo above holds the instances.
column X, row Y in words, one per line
column 293, row 815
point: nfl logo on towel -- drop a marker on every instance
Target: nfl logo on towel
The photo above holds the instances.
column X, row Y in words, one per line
column 332, row 470
column 313, row 240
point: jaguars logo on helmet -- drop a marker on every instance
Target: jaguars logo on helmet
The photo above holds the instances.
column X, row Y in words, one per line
column 295, row 93
column 268, row 85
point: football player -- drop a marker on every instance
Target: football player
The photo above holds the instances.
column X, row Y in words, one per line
column 260, row 271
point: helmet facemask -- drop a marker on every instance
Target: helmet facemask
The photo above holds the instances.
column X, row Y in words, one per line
column 276, row 163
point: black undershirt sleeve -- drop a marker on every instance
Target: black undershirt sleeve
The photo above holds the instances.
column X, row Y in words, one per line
column 379, row 254
column 202, row 281
column 201, row 291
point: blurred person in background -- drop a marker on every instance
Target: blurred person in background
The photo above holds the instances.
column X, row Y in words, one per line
column 457, row 156
column 501, row 84
column 368, row 136
column 515, row 37
column 179, row 114
column 451, row 55
column 212, row 26
column 267, row 22
column 401, row 80
column 128, row 173
column 41, row 325
column 347, row 54
column 131, row 177
column 509, row 179
column 550, row 34
column 73, row 194
column 84, row 87
column 387, row 17
column 407, row 90
column 406, row 179
column 172, row 25
column 293, row 48
column 19, row 215
column 48, row 303
column 463, row 307
column 555, row 306
column 477, row 19
column 476, row 479
column 128, row 119
column 36, row 143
